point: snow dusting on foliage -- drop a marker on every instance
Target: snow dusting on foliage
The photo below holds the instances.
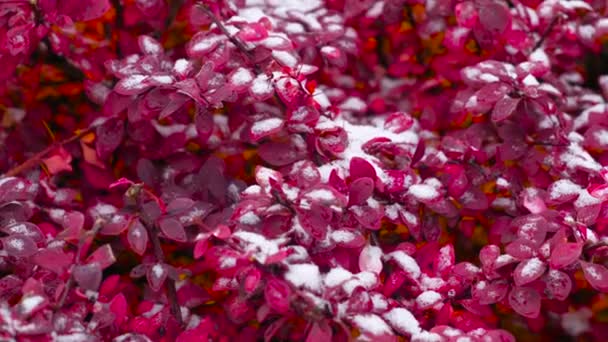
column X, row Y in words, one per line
column 290, row 170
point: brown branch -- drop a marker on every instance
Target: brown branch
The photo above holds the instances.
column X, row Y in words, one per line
column 160, row 257
column 37, row 158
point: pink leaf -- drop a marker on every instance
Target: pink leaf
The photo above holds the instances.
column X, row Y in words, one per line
column 137, row 236
column 528, row 271
column 157, row 274
column 370, row 259
column 54, row 259
column 118, row 306
column 103, row 256
column 525, row 301
column 19, row 246
column 360, row 190
column 564, row 254
column 320, row 331
column 596, row 275
column 87, row 276
column 504, row 108
column 277, row 294
column 558, row 284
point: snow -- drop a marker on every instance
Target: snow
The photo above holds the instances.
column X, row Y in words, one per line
column 532, row 267
column 577, row 322
column 539, row 55
column 376, row 10
column 304, row 275
column 563, row 187
column 259, row 245
column 181, row 65
column 427, row 299
column 206, row 43
column 133, row 81
column 365, row 279
column 423, row 192
column 601, row 135
column 286, row 58
column 249, row 218
column 28, row 304
column 585, row 199
column 403, row 321
column 16, row 244
column 576, row 157
column 261, row 85
column 150, row 46
column 266, row 125
column 407, row 263
column 530, row 81
column 337, row 276
column 162, row 79
column 353, row 104
column 241, row 76
column 489, row 78
column 227, row 262
column 372, row 324
column 158, row 270
column 357, row 136
column 321, row 195
column 343, row 236
column 426, row 336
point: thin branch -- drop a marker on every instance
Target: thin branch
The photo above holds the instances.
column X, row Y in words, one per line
column 37, row 158
column 160, row 257
column 222, row 28
column 83, row 239
column 546, row 33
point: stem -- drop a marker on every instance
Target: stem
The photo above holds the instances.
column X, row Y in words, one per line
column 160, row 257
column 222, row 28
column 83, row 239
column 546, row 33
column 36, row 158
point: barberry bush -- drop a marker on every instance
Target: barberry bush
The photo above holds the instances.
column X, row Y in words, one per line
column 315, row 170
